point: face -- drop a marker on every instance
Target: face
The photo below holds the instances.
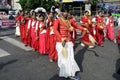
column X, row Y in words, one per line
column 22, row 13
column 65, row 14
column 51, row 15
column 34, row 16
column 100, row 14
column 69, row 15
column 41, row 18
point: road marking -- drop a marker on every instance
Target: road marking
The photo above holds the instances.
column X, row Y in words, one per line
column 4, row 53
column 16, row 43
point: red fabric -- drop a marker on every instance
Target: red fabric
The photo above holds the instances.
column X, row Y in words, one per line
column 34, row 41
column 86, row 23
column 28, row 33
column 48, row 22
column 118, row 36
column 51, row 41
column 21, row 19
column 110, row 29
column 99, row 30
column 42, row 39
column 73, row 33
column 61, row 31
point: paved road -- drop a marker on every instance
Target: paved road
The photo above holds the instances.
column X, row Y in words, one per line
column 18, row 62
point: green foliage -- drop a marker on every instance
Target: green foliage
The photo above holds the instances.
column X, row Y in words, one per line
column 94, row 2
column 22, row 3
column 32, row 4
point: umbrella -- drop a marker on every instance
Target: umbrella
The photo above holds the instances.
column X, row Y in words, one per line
column 40, row 9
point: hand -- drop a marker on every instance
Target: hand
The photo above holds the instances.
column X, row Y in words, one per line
column 85, row 29
column 63, row 42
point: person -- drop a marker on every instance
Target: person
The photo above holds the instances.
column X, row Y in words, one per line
column 11, row 17
column 87, row 23
column 51, row 38
column 64, row 46
column 110, row 27
column 33, row 31
column 17, row 30
column 118, row 21
column 118, row 36
column 73, row 33
column 21, row 21
column 28, row 29
column 41, row 34
column 100, row 29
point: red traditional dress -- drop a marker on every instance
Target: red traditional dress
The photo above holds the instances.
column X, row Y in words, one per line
column 33, row 33
column 26, row 25
column 67, row 64
column 51, row 40
column 28, row 32
column 100, row 30
column 118, row 36
column 87, row 23
column 21, row 20
column 110, row 29
column 73, row 33
column 42, row 38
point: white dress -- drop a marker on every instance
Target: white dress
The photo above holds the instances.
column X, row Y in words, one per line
column 17, row 31
column 68, row 66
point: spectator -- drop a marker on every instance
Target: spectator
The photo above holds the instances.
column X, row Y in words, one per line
column 11, row 17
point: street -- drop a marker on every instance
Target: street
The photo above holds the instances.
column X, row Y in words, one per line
column 18, row 62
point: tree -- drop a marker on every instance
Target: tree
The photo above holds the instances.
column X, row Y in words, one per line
column 22, row 3
column 94, row 2
column 32, row 4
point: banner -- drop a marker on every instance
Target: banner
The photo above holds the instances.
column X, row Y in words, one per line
column 7, row 23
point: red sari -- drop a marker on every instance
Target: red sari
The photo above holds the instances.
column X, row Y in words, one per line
column 86, row 21
column 100, row 30
column 118, row 36
column 110, row 29
column 28, row 33
column 73, row 33
column 21, row 19
column 26, row 25
column 42, row 38
column 51, row 41
column 33, row 34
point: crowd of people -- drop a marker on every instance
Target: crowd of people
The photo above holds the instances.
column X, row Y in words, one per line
column 54, row 33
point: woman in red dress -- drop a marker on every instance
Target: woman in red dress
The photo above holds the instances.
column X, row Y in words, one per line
column 51, row 38
column 118, row 36
column 33, row 32
column 21, row 20
column 87, row 23
column 100, row 29
column 41, row 34
column 110, row 27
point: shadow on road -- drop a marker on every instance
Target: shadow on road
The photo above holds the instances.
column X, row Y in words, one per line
column 116, row 75
column 2, row 65
column 56, row 77
column 79, row 57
